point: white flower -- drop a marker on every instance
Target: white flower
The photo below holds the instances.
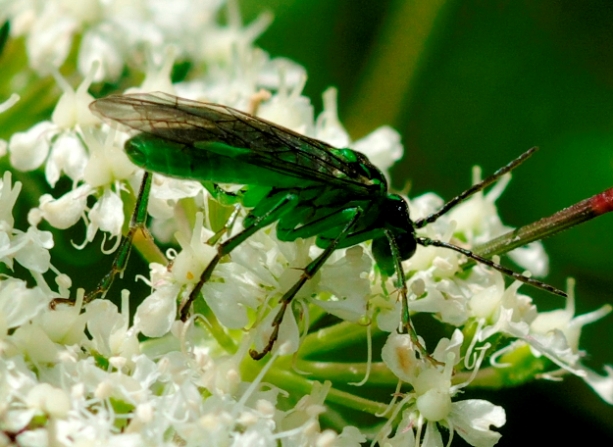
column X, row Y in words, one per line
column 556, row 334
column 328, row 127
column 102, row 45
column 72, row 108
column 8, row 198
column 32, row 342
column 30, row 249
column 445, row 298
column 30, row 149
column 66, row 211
column 49, row 400
column 106, row 215
column 110, row 334
column 477, row 218
column 431, row 399
column 603, row 385
column 195, row 255
column 566, row 321
column 65, row 324
column 16, row 380
column 165, row 194
column 156, row 314
column 382, row 147
column 473, row 418
column 50, row 39
column 107, row 162
column 67, row 155
column 289, row 109
column 349, row 297
column 18, row 304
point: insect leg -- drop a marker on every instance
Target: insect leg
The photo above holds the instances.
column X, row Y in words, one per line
column 407, row 326
column 222, row 196
column 227, row 228
column 137, row 223
column 286, row 203
column 475, row 188
column 533, row 282
column 352, row 216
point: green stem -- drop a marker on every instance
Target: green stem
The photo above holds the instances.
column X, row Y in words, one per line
column 332, row 338
column 485, row 378
column 348, row 372
column 212, row 324
column 298, row 385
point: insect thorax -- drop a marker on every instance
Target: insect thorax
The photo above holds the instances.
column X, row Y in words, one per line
column 361, row 167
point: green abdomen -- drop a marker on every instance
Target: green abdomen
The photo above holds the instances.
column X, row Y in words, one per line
column 188, row 162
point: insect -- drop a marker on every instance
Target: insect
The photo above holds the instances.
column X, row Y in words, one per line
column 305, row 186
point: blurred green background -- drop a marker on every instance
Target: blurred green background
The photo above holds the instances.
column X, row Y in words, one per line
column 479, row 82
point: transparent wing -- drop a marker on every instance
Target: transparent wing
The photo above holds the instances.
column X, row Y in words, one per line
column 272, row 146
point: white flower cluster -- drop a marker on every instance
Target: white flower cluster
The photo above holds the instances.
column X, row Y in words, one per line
column 81, row 375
